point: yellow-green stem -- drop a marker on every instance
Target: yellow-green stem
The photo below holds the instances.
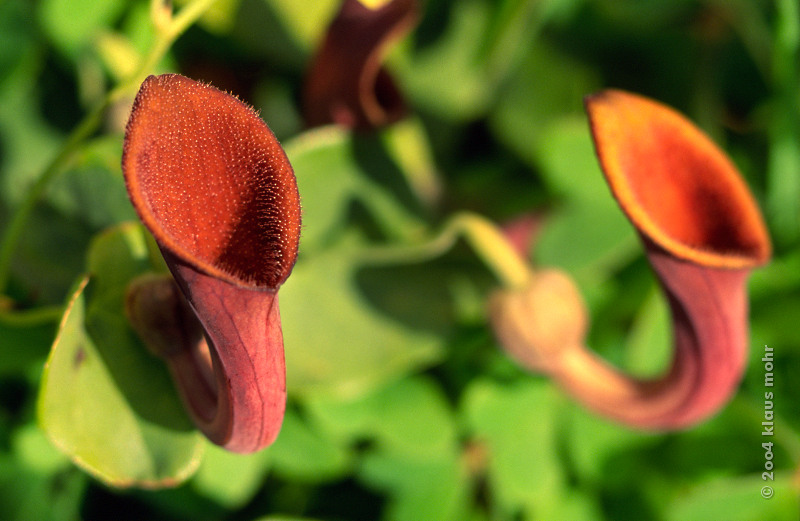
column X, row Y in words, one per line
column 488, row 242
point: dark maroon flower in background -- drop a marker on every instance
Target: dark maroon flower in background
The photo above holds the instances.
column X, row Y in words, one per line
column 346, row 83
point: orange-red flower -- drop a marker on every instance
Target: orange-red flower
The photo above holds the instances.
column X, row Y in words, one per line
column 214, row 187
column 703, row 234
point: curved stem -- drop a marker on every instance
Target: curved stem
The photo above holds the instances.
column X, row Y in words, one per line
column 166, row 34
column 224, row 348
column 709, row 311
column 482, row 235
column 233, row 381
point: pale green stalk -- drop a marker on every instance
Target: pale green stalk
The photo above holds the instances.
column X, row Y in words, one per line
column 488, row 242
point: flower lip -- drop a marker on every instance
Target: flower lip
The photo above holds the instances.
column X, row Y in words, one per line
column 211, row 182
column 675, row 185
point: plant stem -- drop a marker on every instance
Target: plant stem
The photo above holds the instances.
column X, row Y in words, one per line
column 167, row 31
column 482, row 235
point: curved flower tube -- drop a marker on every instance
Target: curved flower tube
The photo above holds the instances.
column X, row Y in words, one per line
column 346, row 83
column 214, row 187
column 703, row 234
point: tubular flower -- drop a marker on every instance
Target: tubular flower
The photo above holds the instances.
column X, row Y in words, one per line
column 702, row 233
column 212, row 184
column 346, row 83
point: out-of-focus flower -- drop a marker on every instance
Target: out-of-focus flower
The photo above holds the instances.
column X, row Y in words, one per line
column 346, row 83
column 703, row 234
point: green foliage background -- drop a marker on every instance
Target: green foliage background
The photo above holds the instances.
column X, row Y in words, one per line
column 401, row 405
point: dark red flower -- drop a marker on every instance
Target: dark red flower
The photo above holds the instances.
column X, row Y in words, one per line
column 214, row 187
column 346, row 83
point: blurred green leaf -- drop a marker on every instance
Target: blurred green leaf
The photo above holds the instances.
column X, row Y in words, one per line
column 50, row 255
column 336, row 173
column 539, row 112
column 93, row 189
column 434, row 488
column 37, row 482
column 26, row 495
column 219, row 17
column 588, row 240
column 336, row 342
column 73, row 24
column 306, row 22
column 302, row 453
column 412, row 449
column 592, row 444
column 517, row 427
column 410, row 416
column 568, row 164
column 410, row 148
column 444, row 76
column 104, row 400
column 648, row 350
column 16, row 35
column 337, row 170
column 588, row 232
column 28, row 142
column 23, row 345
column 230, row 479
column 738, row 499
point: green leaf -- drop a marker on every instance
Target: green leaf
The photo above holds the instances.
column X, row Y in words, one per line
column 23, row 345
column 93, row 189
column 546, row 87
column 409, row 146
column 737, row 499
column 28, row 142
column 37, row 481
column 516, row 427
column 587, row 239
column 433, row 488
column 104, row 400
column 337, row 170
column 26, row 494
column 219, row 17
column 230, row 479
column 74, row 24
column 336, row 342
column 648, row 350
column 306, row 22
column 592, row 443
column 588, row 232
column 302, row 453
column 17, row 35
column 444, row 77
column 410, row 416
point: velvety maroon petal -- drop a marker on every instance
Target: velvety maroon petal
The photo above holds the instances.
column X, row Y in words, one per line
column 214, row 187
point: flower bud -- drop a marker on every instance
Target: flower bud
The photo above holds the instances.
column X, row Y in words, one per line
column 536, row 325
